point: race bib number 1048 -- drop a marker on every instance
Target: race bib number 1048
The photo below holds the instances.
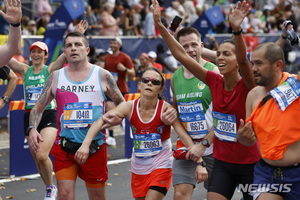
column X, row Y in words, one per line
column 78, row 115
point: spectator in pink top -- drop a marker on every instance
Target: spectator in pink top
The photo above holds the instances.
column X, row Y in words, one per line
column 110, row 25
column 44, row 9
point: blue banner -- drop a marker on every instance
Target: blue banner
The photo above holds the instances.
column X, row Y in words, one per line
column 202, row 25
column 58, row 24
column 214, row 15
column 208, row 19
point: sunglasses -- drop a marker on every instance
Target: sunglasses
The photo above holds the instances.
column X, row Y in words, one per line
column 154, row 81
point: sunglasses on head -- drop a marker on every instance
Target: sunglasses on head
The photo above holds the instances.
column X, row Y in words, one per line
column 154, row 81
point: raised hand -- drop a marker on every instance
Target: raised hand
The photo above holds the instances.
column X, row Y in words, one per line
column 156, row 11
column 13, row 11
column 82, row 26
column 237, row 16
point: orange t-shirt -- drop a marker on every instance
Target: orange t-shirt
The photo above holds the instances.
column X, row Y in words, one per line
column 158, row 66
column 276, row 129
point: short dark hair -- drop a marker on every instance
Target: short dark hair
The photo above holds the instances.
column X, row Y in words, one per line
column 160, row 48
column 229, row 40
column 187, row 31
column 273, row 52
column 77, row 34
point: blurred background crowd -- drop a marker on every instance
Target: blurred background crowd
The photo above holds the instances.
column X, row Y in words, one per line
column 134, row 18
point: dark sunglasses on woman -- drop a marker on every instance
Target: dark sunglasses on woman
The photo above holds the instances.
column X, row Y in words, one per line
column 154, row 81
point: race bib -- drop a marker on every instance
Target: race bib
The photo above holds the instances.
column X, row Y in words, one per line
column 192, row 117
column 78, row 115
column 224, row 126
column 32, row 95
column 286, row 93
column 146, row 146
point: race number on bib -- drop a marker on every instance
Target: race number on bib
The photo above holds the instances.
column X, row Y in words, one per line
column 146, row 146
column 192, row 117
column 225, row 126
column 286, row 93
column 78, row 115
column 32, row 95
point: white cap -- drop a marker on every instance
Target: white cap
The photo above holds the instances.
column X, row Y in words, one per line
column 118, row 40
column 152, row 54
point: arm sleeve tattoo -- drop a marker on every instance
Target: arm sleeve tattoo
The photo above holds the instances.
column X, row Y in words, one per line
column 43, row 98
column 113, row 90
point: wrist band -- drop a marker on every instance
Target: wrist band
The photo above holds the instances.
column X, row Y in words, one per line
column 28, row 130
column 16, row 25
column 238, row 32
column 5, row 99
column 284, row 37
column 202, row 163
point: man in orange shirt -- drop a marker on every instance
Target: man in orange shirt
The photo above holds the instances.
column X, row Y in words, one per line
column 274, row 106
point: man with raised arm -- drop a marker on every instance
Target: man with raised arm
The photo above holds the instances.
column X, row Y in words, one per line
column 188, row 93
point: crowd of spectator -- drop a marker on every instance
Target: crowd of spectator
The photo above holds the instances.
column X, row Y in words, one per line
column 134, row 18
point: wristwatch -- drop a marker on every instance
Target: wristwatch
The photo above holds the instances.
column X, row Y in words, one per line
column 28, row 130
column 5, row 99
column 202, row 163
column 205, row 143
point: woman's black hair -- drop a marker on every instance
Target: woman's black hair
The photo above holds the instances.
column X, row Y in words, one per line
column 229, row 40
